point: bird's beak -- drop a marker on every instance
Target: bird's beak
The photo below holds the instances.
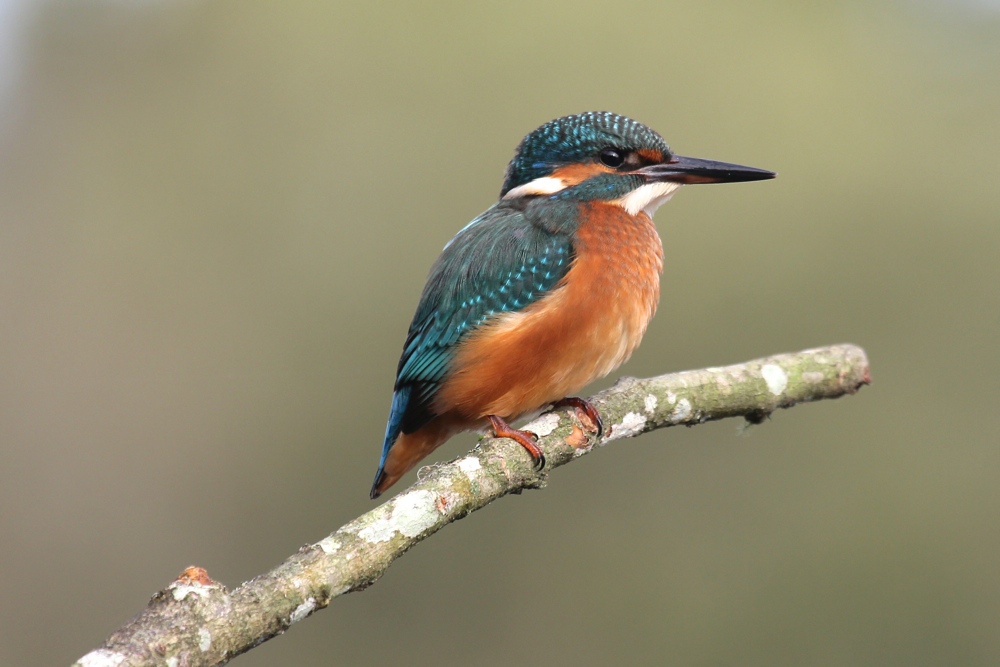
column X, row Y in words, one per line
column 690, row 170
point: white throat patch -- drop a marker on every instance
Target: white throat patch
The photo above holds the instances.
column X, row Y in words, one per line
column 647, row 198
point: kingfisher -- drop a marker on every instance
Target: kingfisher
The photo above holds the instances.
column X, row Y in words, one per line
column 549, row 289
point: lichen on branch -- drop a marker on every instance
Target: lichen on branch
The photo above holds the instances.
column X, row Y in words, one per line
column 196, row 621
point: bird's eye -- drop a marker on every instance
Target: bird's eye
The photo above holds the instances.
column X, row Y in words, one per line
column 612, row 158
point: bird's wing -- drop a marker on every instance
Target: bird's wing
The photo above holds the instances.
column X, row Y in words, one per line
column 499, row 263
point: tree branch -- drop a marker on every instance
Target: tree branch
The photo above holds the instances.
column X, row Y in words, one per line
column 196, row 621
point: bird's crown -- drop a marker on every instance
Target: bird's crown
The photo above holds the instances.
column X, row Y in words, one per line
column 595, row 136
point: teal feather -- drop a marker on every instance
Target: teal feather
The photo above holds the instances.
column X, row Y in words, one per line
column 502, row 262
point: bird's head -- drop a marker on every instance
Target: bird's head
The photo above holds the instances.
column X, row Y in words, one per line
column 603, row 156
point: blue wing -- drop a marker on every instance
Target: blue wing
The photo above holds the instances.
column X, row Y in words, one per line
column 500, row 262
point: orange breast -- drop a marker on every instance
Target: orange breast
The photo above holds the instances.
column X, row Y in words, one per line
column 587, row 327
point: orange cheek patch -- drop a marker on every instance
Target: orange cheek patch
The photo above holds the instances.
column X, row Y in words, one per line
column 574, row 174
column 650, row 154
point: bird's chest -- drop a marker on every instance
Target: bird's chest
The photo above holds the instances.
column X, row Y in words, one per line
column 587, row 326
column 615, row 280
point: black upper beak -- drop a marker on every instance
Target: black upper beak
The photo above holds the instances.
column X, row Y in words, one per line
column 690, row 170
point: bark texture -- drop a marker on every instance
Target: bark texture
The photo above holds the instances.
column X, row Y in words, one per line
column 196, row 621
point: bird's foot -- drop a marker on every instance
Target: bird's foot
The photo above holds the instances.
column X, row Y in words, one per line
column 524, row 438
column 588, row 409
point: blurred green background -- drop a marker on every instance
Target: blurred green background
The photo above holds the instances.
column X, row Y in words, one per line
column 215, row 222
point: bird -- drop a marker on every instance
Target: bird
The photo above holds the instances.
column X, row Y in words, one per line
column 549, row 289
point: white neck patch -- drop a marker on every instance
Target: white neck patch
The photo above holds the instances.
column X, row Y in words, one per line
column 647, row 198
column 540, row 186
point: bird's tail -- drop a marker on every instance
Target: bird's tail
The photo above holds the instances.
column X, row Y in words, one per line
column 401, row 451
column 400, row 398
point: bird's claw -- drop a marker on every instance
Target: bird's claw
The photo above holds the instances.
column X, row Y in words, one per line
column 526, row 439
column 588, row 409
column 540, row 461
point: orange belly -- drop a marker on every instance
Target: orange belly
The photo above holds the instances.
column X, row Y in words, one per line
column 584, row 329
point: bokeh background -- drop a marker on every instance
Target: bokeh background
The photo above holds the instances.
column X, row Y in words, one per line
column 215, row 222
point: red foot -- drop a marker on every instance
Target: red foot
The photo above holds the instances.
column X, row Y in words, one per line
column 587, row 407
column 524, row 438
